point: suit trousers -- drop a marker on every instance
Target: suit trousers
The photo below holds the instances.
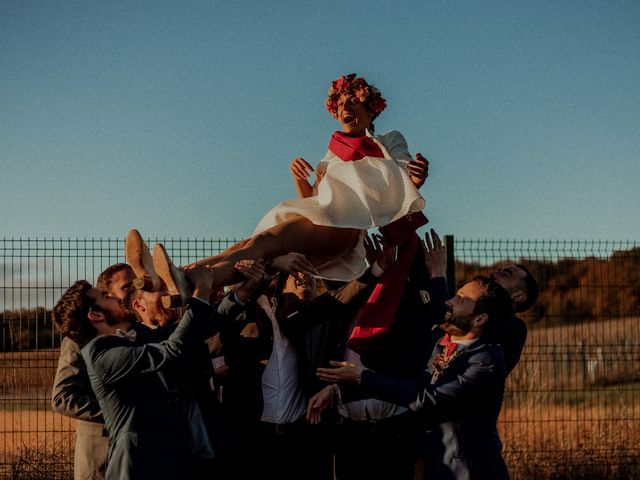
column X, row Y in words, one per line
column 377, row 450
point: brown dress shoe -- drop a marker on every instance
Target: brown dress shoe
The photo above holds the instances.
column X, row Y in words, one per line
column 138, row 257
column 178, row 287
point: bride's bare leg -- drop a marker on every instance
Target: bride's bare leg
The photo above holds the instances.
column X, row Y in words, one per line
column 211, row 261
column 295, row 235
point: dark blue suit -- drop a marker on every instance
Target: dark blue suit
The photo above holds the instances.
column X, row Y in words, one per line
column 460, row 410
column 512, row 341
column 149, row 434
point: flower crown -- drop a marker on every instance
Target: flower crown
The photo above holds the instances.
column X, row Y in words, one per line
column 357, row 86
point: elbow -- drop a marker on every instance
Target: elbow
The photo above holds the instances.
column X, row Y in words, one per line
column 58, row 405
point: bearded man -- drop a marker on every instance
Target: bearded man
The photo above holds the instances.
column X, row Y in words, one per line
column 461, row 394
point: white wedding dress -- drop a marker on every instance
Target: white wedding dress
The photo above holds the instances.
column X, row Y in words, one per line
column 365, row 193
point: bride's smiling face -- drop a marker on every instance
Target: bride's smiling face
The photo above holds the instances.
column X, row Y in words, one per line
column 353, row 115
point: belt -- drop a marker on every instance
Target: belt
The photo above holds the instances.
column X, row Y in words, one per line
column 396, row 423
column 282, row 428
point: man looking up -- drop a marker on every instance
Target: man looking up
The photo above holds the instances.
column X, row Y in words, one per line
column 461, row 394
column 523, row 291
column 191, row 388
column 149, row 436
column 72, row 395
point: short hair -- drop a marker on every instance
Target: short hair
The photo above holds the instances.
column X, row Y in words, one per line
column 70, row 313
column 129, row 298
column 530, row 287
column 106, row 277
column 496, row 303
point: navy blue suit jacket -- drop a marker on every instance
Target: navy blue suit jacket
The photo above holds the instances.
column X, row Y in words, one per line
column 460, row 410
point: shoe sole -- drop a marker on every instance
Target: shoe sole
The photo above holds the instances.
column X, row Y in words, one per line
column 137, row 255
column 174, row 279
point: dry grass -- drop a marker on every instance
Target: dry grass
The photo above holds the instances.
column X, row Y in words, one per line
column 35, row 444
column 563, row 442
column 581, row 356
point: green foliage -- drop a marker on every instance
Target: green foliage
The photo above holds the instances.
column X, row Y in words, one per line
column 574, row 291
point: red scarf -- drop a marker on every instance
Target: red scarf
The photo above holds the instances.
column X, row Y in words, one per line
column 377, row 316
column 348, row 148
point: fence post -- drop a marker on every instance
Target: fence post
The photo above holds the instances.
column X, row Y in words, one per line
column 451, row 265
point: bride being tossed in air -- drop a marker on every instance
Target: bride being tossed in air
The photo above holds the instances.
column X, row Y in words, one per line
column 363, row 181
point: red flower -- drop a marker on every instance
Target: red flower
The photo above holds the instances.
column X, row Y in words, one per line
column 357, row 86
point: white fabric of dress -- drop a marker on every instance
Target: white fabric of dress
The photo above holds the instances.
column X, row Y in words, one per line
column 365, row 193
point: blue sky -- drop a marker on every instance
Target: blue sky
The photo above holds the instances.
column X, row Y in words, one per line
column 181, row 118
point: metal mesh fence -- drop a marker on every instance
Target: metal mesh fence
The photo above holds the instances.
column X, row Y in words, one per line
column 572, row 405
column 36, row 443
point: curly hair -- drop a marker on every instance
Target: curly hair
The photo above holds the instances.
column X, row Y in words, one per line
column 106, row 277
column 357, row 86
column 70, row 313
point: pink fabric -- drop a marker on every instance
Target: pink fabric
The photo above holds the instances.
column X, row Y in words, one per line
column 348, row 148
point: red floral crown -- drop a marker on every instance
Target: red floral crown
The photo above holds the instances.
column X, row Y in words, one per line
column 353, row 85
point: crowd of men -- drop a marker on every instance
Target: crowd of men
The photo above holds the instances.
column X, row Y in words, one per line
column 284, row 376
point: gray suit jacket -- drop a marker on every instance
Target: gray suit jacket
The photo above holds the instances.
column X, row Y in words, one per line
column 148, row 429
column 72, row 396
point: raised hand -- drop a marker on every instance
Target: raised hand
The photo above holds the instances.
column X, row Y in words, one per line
column 301, row 171
column 380, row 251
column 435, row 255
column 253, row 271
column 418, row 170
column 294, row 264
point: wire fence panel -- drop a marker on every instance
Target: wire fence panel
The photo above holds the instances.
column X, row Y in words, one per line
column 36, row 443
column 572, row 405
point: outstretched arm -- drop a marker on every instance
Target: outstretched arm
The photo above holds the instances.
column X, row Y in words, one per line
column 113, row 359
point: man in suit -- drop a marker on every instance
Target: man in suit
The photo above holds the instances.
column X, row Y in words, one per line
column 191, row 387
column 385, row 432
column 273, row 344
column 72, row 395
column 461, row 393
column 522, row 288
column 149, row 433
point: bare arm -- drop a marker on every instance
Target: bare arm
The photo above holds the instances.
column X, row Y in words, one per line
column 301, row 171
